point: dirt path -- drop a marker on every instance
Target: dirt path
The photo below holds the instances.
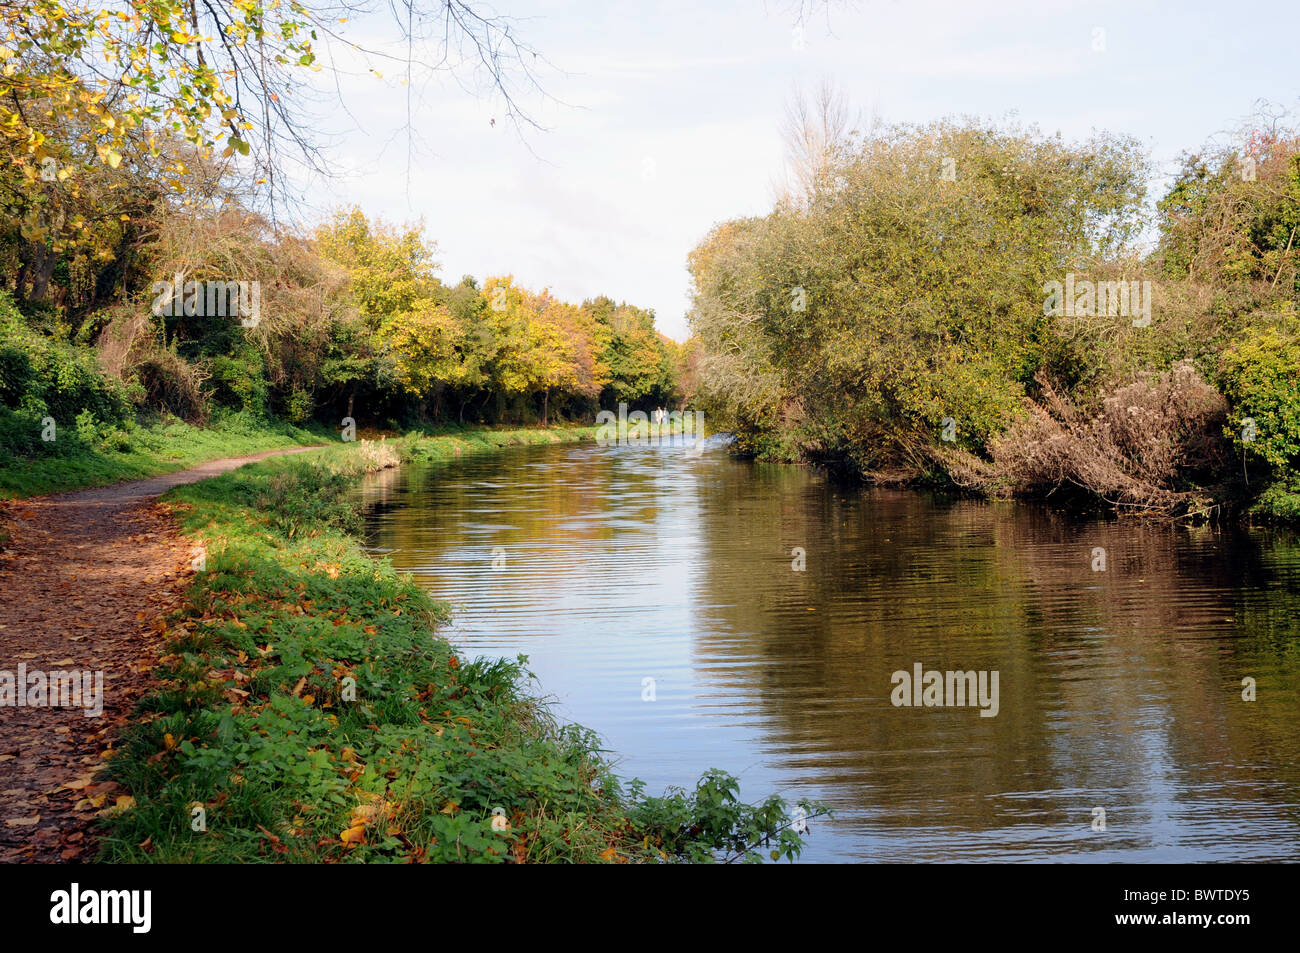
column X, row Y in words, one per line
column 84, row 582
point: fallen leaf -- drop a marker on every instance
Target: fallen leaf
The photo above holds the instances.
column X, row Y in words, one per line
column 375, row 812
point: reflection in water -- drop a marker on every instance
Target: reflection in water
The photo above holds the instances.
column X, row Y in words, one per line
column 1119, row 688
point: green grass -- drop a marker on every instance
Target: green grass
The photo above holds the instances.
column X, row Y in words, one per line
column 165, row 446
column 312, row 712
column 78, row 460
column 453, row 441
column 1279, row 502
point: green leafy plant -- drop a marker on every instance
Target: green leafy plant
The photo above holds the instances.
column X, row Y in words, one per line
column 311, row 713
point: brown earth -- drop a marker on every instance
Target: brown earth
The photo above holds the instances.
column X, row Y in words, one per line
column 84, row 584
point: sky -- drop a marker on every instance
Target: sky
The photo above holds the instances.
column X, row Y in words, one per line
column 661, row 119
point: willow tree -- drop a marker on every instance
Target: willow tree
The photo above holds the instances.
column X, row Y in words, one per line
column 900, row 292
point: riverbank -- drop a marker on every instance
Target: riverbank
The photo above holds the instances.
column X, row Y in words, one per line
column 83, row 588
column 307, row 710
column 100, row 456
column 1072, row 476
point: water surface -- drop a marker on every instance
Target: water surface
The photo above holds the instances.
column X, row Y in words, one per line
column 1119, row 688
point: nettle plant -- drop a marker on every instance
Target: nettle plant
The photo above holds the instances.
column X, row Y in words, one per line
column 712, row 823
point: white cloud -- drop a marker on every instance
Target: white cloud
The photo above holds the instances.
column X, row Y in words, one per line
column 700, row 90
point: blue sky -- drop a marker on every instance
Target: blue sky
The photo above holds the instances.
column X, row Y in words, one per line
column 664, row 117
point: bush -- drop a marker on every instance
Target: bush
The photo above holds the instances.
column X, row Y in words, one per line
column 170, row 383
column 298, row 406
column 239, row 381
column 42, row 377
column 1260, row 376
column 308, row 497
column 878, row 300
column 1279, row 501
column 1141, row 447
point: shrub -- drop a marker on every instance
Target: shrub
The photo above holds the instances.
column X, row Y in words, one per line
column 169, row 382
column 1260, row 376
column 1279, row 501
column 42, row 376
column 239, row 380
column 298, row 406
column 1141, row 447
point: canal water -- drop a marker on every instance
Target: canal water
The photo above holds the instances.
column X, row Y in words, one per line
column 699, row 611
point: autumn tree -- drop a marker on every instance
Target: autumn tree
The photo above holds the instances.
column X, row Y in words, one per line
column 903, row 286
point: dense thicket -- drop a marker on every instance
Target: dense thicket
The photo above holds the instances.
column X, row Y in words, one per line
column 352, row 321
column 124, row 129
column 903, row 312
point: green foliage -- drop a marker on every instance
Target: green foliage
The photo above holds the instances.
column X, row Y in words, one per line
column 641, row 364
column 256, row 722
column 1232, row 215
column 239, row 380
column 712, row 823
column 450, row 345
column 887, row 297
column 1279, row 502
column 353, row 320
column 1229, row 229
column 42, row 377
column 902, row 285
column 1260, row 376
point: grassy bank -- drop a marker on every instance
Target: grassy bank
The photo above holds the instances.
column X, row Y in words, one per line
column 98, row 455
column 452, row 441
column 309, row 711
column 144, row 450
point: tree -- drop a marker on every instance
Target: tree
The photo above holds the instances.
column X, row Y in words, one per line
column 391, row 281
column 100, row 83
column 1233, row 214
column 635, row 357
column 903, row 287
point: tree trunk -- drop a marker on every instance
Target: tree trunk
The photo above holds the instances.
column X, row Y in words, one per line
column 546, row 404
column 37, row 269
